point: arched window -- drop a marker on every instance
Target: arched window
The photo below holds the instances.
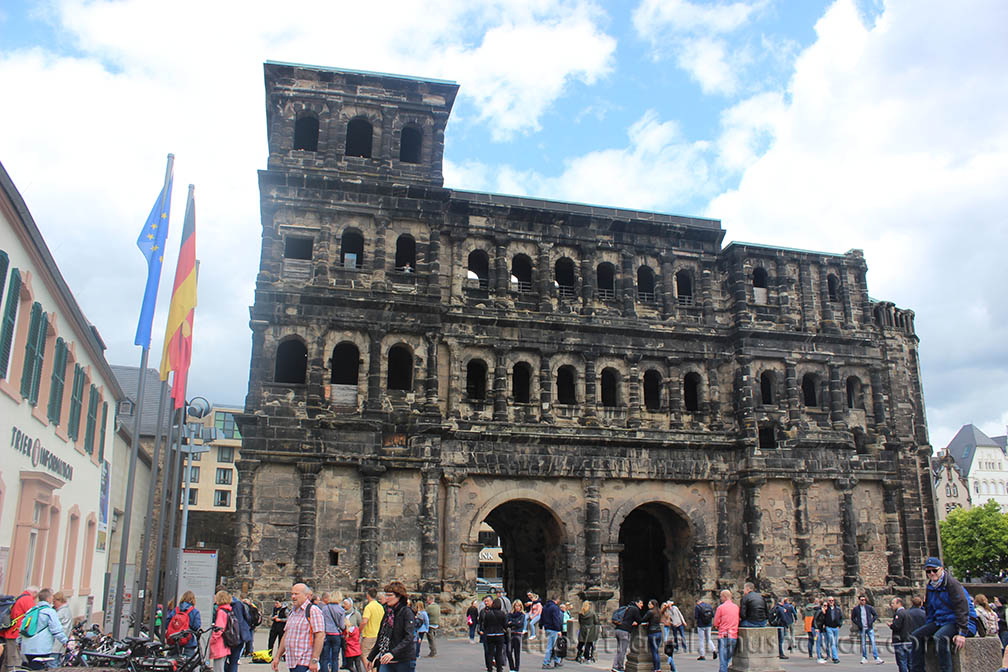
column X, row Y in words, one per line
column 479, row 268
column 645, row 285
column 610, row 387
column 759, row 283
column 948, row 490
column 605, row 276
column 400, row 368
column 652, row 390
column 476, row 379
column 306, row 134
column 565, row 278
column 976, row 487
column 410, row 143
column 767, row 437
column 351, row 249
column 691, row 392
column 358, row 138
column 684, row 288
column 810, row 390
column 565, row 385
column 405, row 253
column 855, row 394
column 521, row 274
column 768, row 381
column 833, row 287
column 955, row 490
column 345, row 364
column 521, row 383
column 291, row 362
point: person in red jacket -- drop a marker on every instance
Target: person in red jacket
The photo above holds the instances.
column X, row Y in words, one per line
column 12, row 658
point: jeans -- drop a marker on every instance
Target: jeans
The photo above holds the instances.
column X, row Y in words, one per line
column 780, row 641
column 232, row 659
column 329, row 659
column 752, row 624
column 551, row 637
column 532, row 623
column 654, row 642
column 811, row 642
column 514, row 651
column 431, row 641
column 942, row 635
column 400, row 666
column 622, row 646
column 40, row 661
column 472, row 632
column 705, row 640
column 679, row 633
column 866, row 636
column 726, row 649
column 832, row 639
column 493, row 652
column 902, row 652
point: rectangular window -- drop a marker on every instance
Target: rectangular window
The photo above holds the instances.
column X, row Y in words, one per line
column 225, row 453
column 194, row 474
column 92, row 419
column 31, row 375
column 225, row 424
column 222, row 498
column 76, row 401
column 193, row 496
column 58, row 382
column 196, row 457
column 224, row 476
column 9, row 320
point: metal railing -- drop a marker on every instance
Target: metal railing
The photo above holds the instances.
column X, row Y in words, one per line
column 685, row 300
column 606, row 294
column 566, row 292
column 646, row 297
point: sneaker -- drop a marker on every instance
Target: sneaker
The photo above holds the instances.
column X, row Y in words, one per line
column 714, row 655
column 822, row 661
column 782, row 657
column 701, row 658
column 864, row 660
column 836, row 661
column 879, row 661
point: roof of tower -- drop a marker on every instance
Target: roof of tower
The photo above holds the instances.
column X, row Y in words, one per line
column 963, row 445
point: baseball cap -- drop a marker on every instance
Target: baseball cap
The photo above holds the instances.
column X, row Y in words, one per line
column 932, row 562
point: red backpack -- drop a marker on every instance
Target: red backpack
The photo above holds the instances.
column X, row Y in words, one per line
column 178, row 623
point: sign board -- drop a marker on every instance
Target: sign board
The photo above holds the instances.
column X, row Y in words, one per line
column 199, row 574
column 127, row 603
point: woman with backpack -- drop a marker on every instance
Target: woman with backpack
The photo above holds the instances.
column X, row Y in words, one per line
column 184, row 619
column 219, row 651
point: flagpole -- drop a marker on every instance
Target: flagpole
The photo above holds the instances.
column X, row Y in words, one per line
column 135, row 449
column 163, row 497
column 141, row 592
column 173, row 505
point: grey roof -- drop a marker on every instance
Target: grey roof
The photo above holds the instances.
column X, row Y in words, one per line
column 963, row 446
column 128, row 378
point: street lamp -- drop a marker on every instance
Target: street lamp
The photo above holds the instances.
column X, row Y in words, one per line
column 199, row 408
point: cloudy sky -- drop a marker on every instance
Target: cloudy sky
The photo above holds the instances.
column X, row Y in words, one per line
column 826, row 125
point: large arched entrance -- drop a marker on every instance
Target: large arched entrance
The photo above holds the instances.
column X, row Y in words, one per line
column 656, row 556
column 531, row 548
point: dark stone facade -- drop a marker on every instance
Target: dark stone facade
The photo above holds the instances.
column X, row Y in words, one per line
column 631, row 407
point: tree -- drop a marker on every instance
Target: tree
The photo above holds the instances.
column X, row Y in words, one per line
column 976, row 541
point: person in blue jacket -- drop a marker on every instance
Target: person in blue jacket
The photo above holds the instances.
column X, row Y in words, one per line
column 38, row 648
column 241, row 615
column 951, row 617
column 551, row 622
column 188, row 605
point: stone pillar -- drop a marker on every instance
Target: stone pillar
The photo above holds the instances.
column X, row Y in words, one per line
column 807, row 298
column 547, row 291
column 545, row 389
column 740, row 301
column 503, row 275
column 370, row 474
column 824, row 299
column 431, row 382
column 892, row 490
column 878, row 398
column 374, row 403
column 381, row 228
column 836, row 400
column 591, row 400
column 866, row 311
column 673, row 385
column 848, row 526
column 746, row 403
column 639, row 656
column 756, row 651
column 453, row 540
column 434, row 264
column 723, row 548
column 752, row 520
column 593, row 532
column 663, row 288
column 712, row 400
column 587, row 279
column 803, row 533
column 628, row 284
column 500, row 404
column 791, row 390
column 243, row 516
column 707, row 295
column 633, row 394
column 304, row 557
column 430, row 561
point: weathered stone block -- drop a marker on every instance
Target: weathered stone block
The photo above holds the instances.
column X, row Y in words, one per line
column 756, row 651
column 981, row 654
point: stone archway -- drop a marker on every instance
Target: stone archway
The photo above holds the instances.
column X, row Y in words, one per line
column 657, row 559
column 532, row 543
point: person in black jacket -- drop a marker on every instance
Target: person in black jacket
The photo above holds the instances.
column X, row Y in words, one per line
column 493, row 629
column 831, row 621
column 395, row 648
column 900, row 634
column 631, row 618
column 654, row 634
column 863, row 617
column 551, row 622
column 752, row 608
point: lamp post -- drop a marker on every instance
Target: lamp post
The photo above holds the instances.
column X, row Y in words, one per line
column 198, row 408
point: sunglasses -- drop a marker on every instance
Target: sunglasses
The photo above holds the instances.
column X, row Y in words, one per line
column 930, row 570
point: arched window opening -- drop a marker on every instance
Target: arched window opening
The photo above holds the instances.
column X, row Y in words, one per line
column 351, row 249
column 948, row 490
column 358, row 138
column 521, row 274
column 877, row 313
column 652, row 390
column 345, row 364
column 855, row 393
column 306, row 134
column 405, row 254
column 955, row 490
column 298, row 247
column 768, row 380
column 645, row 285
column 476, row 383
column 759, row 283
column 565, row 385
column 610, row 387
column 684, row 288
column 479, row 268
column 833, row 287
column 767, row 437
column 410, row 143
column 565, row 278
column 810, row 390
column 691, row 392
column 291, row 363
column 521, row 383
column 605, row 276
column 400, row 368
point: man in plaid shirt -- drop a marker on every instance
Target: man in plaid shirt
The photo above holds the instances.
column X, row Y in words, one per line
column 304, row 634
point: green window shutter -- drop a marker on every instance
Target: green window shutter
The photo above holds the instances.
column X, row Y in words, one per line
column 92, row 413
column 58, row 381
column 31, row 349
column 4, row 262
column 76, row 394
column 36, row 379
column 101, row 442
column 9, row 320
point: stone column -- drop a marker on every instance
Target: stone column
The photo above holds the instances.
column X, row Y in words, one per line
column 628, row 284
column 836, row 401
column 866, row 311
column 892, row 490
column 848, row 526
column 803, row 532
column 430, row 561
column 381, row 227
column 633, row 394
column 587, row 279
column 503, row 275
column 590, row 401
column 500, row 387
column 373, row 403
column 304, row 557
column 243, row 516
column 431, row 383
column 712, row 400
column 545, row 389
column 707, row 295
column 824, row 299
column 746, row 407
column 434, row 264
column 668, row 300
column 723, row 551
column 791, row 390
column 674, row 387
column 878, row 398
column 547, row 291
column 740, row 301
column 370, row 474
column 752, row 520
column 452, row 529
column 593, row 532
column 807, row 297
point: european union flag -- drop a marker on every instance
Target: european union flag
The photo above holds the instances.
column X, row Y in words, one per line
column 152, row 243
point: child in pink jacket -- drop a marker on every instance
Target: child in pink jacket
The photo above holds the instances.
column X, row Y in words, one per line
column 219, row 651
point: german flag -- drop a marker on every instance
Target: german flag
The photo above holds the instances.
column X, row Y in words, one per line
column 177, row 354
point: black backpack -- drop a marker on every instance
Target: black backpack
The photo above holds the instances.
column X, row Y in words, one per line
column 232, row 633
column 670, row 648
column 617, row 617
column 774, row 617
column 254, row 616
column 706, row 614
column 6, row 604
column 560, row 647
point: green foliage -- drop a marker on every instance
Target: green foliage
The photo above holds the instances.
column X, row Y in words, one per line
column 976, row 541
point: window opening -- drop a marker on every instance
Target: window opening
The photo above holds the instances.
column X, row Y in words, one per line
column 76, row 402
column 476, row 375
column 521, row 274
column 306, row 131
column 345, row 364
column 400, row 368
column 565, row 278
column 226, row 426
column 351, row 249
column 691, row 392
column 855, row 396
column 610, row 387
column 298, row 247
column 767, row 382
column 605, row 275
column 405, row 254
column 9, row 320
column 810, row 393
column 58, row 382
column 222, row 498
column 225, row 453
column 358, row 138
column 410, row 143
column 759, row 281
column 291, row 362
column 767, row 437
column 479, row 268
column 521, row 383
column 565, row 385
column 833, row 287
column 224, row 475
column 652, row 390
column 684, row 288
column 645, row 285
